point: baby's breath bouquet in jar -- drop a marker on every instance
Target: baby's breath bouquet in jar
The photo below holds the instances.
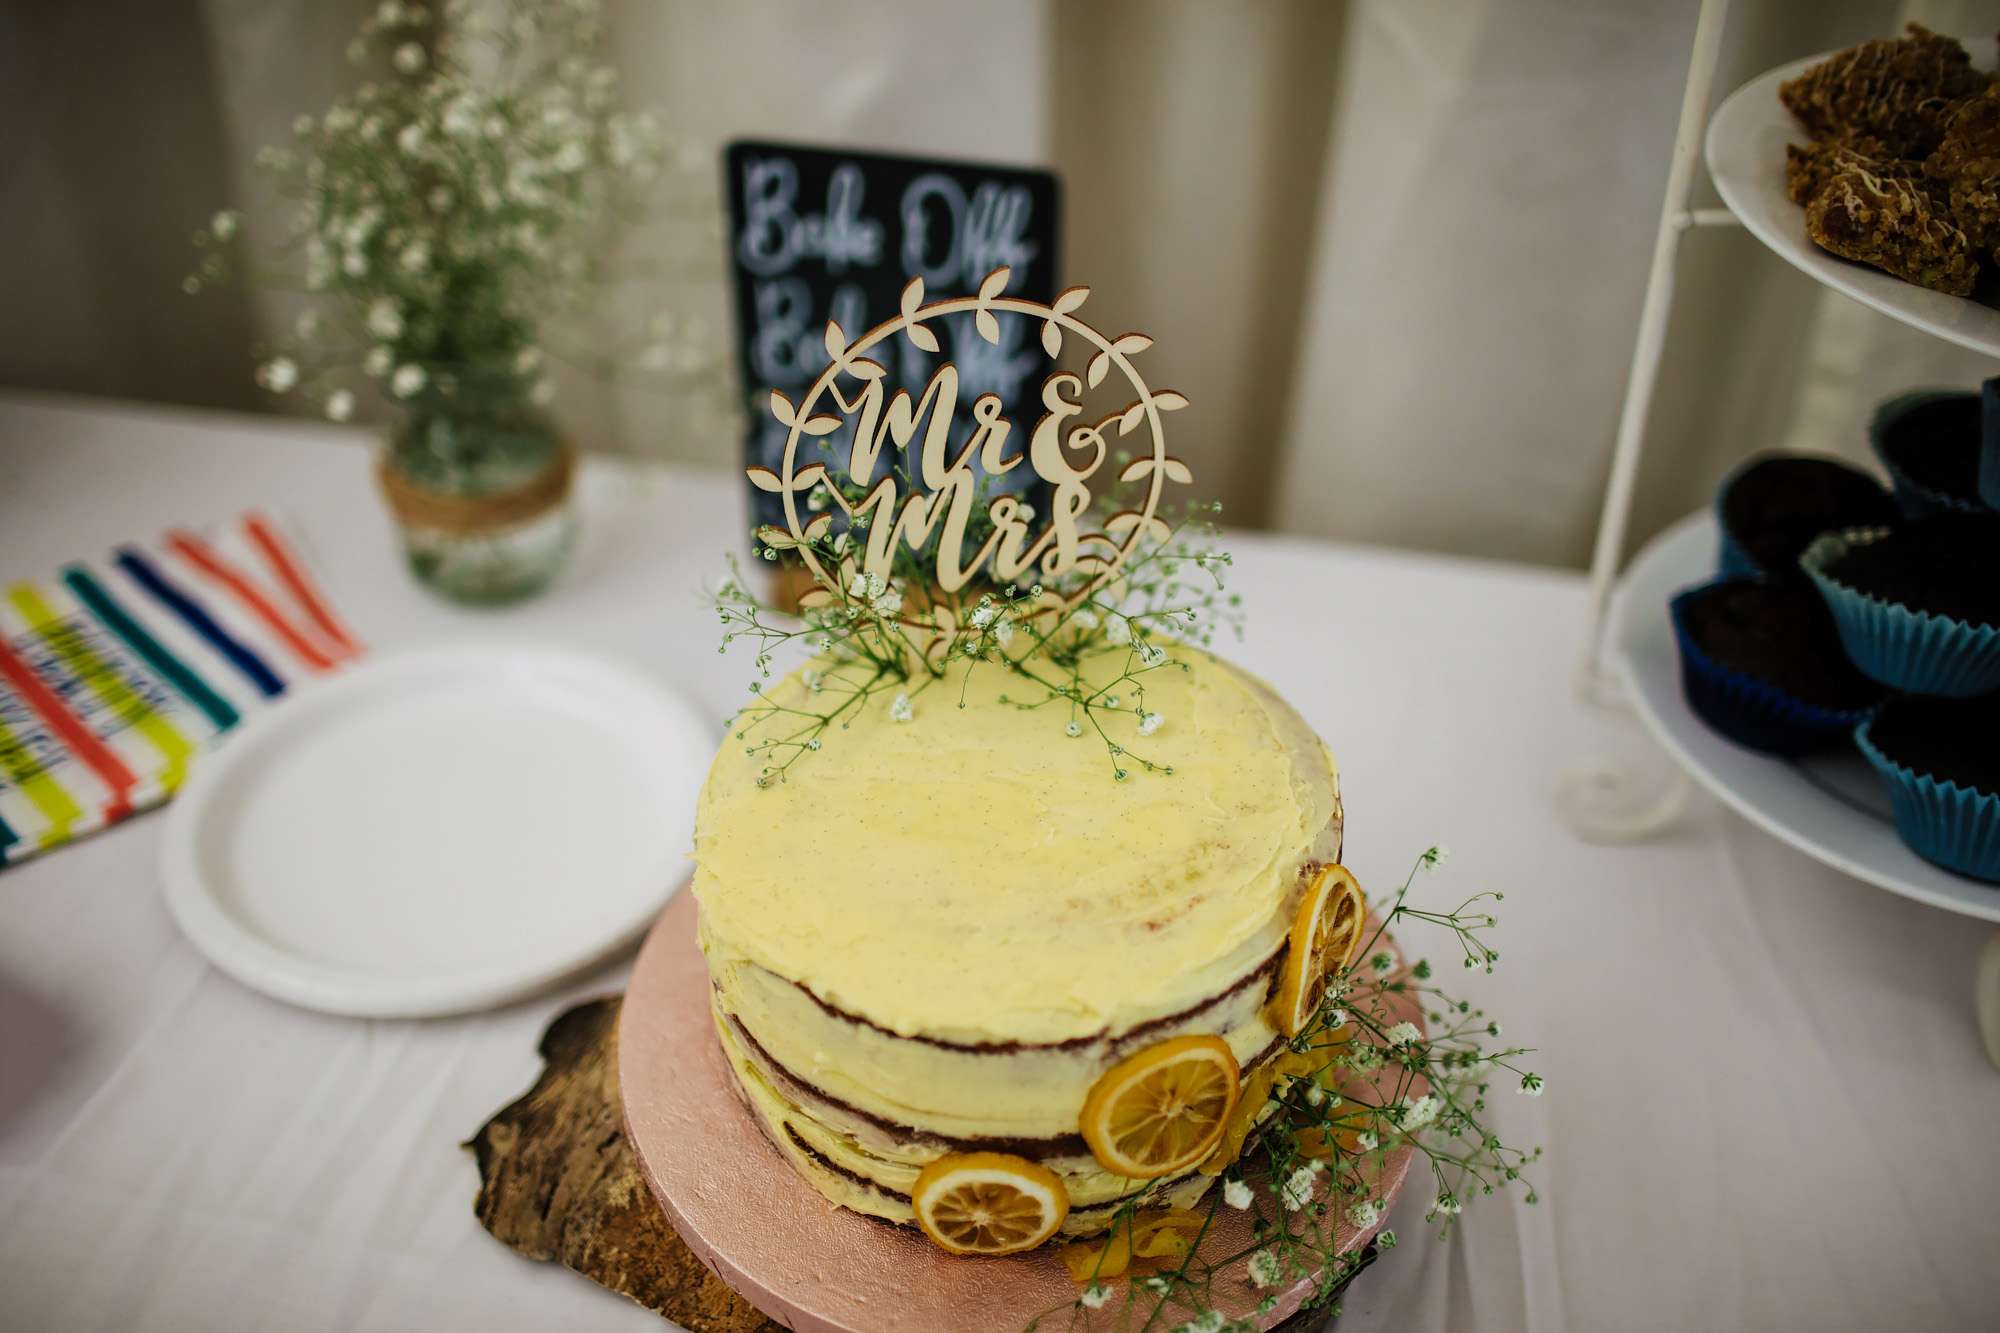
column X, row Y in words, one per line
column 448, row 220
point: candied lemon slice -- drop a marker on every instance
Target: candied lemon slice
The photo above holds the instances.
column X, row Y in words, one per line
column 1162, row 1109
column 988, row 1203
column 1325, row 933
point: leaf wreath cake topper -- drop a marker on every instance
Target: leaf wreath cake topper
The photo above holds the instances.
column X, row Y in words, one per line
column 1065, row 448
column 941, row 563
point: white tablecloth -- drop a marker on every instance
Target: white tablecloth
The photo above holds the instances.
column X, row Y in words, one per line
column 1767, row 1107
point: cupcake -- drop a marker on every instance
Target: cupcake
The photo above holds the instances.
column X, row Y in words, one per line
column 1940, row 759
column 1918, row 606
column 1761, row 664
column 1770, row 507
column 1929, row 440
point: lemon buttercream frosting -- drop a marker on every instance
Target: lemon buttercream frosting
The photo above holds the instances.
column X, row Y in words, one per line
column 936, row 933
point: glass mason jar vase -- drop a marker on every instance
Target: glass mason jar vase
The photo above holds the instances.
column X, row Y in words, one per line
column 479, row 483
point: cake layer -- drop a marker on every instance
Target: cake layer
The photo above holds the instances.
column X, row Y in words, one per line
column 855, row 1175
column 975, row 876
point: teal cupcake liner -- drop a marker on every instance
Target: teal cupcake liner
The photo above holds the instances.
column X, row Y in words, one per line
column 1917, row 652
column 1949, row 825
column 1754, row 713
column 1917, row 500
column 1989, row 442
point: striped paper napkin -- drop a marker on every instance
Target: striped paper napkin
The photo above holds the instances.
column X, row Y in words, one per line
column 116, row 674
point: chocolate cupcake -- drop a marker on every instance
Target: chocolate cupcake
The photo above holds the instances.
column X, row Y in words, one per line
column 1761, row 664
column 1774, row 504
column 1929, row 440
column 1940, row 759
column 1918, row 606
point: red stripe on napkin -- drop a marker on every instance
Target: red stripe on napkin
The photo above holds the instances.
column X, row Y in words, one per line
column 271, row 544
column 74, row 733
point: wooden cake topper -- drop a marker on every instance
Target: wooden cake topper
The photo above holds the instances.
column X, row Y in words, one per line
column 1068, row 554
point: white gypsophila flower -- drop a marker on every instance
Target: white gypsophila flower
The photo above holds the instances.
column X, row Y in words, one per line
column 1003, row 631
column 1084, row 618
column 1264, row 1269
column 1297, row 1190
column 1094, row 1296
column 461, row 116
column 1366, row 1141
column 1385, row 1239
column 389, row 13
column 859, row 586
column 1315, row 1094
column 1531, row 1085
column 340, row 119
column 543, row 393
column 983, row 614
column 1336, row 1018
column 526, row 360
column 889, row 603
column 224, row 224
column 813, row 680
column 1208, row 1321
column 570, row 157
column 278, row 374
column 354, row 264
column 1236, row 1193
column 1418, row 1113
column 376, row 363
column 410, row 139
column 1447, row 1204
column 657, row 357
column 1403, row 1034
column 1436, row 856
column 1364, row 1214
column 1149, row 723
column 384, row 320
column 416, row 257
column 409, row 58
column 302, row 126
column 1151, row 654
column 1073, row 729
column 407, row 381
column 307, row 325
column 1118, row 631
column 340, row 405
column 899, row 708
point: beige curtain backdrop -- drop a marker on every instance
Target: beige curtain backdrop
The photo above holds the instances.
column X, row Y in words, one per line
column 1393, row 250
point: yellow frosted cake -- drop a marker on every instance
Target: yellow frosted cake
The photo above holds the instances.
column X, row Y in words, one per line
column 951, row 929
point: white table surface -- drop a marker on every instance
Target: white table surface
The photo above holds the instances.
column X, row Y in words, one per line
column 1767, row 1107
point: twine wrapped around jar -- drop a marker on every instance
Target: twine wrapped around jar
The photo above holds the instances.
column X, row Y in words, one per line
column 472, row 515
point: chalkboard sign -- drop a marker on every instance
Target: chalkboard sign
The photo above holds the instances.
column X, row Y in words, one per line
column 819, row 234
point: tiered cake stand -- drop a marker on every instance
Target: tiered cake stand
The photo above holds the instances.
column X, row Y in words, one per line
column 1832, row 809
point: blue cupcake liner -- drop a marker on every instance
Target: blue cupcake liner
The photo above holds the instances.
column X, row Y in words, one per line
column 1953, row 826
column 1752, row 712
column 1731, row 560
column 1917, row 652
column 1989, row 442
column 1916, row 499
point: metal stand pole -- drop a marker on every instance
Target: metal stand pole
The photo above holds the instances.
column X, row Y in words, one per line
column 1675, row 218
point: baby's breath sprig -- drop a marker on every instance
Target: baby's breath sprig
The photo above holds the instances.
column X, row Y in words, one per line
column 1085, row 660
column 1359, row 1083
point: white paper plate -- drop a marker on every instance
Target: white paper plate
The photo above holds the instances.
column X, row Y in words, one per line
column 1832, row 808
column 1746, row 159
column 438, row 832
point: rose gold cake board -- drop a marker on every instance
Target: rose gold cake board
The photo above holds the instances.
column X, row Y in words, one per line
column 800, row 1259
